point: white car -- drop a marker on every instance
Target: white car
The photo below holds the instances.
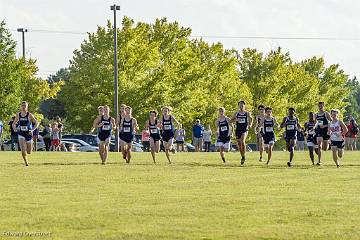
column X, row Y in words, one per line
column 84, row 146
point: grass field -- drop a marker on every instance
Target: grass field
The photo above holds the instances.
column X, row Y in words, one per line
column 72, row 196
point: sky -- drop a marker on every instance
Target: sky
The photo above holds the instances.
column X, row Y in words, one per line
column 264, row 18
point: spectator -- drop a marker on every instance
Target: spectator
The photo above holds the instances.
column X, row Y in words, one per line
column 300, row 145
column 14, row 136
column 46, row 133
column 197, row 136
column 180, row 139
column 207, row 138
column 351, row 135
column 145, row 140
column 60, row 126
column 35, row 138
column 55, row 137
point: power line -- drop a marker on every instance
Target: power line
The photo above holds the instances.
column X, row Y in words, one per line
column 47, row 31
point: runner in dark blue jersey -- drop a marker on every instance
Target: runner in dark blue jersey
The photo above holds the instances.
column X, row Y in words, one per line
column 310, row 136
column 128, row 128
column 168, row 129
column 243, row 121
column 153, row 125
column 27, row 123
column 321, row 130
column 224, row 132
column 291, row 125
column 268, row 124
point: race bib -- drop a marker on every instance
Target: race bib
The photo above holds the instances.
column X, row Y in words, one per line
column 167, row 127
column 224, row 128
column 23, row 128
column 311, row 132
column 153, row 131
column 320, row 122
column 290, row 127
column 241, row 120
column 106, row 127
column 269, row 129
column 126, row 129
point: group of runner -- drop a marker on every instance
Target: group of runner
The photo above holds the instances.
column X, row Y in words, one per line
column 320, row 128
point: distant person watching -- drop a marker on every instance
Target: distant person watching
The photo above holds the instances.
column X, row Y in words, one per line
column 300, row 143
column 180, row 139
column 207, row 138
column 351, row 135
column 145, row 139
column 197, row 136
column 46, row 133
column 14, row 136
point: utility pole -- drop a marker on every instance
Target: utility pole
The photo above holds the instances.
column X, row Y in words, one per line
column 23, row 31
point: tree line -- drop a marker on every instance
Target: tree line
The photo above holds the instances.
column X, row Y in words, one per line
column 160, row 64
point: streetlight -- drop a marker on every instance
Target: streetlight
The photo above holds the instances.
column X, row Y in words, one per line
column 116, row 96
column 23, row 31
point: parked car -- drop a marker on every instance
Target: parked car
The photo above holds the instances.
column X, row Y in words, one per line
column 70, row 146
column 88, row 138
column 84, row 146
column 189, row 147
column 40, row 146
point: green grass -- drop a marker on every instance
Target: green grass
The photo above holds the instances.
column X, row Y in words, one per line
column 74, row 197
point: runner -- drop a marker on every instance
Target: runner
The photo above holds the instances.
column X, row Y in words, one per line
column 224, row 130
column 167, row 126
column 153, row 126
column 243, row 121
column 258, row 130
column 321, row 130
column 128, row 128
column 105, row 124
column 268, row 123
column 25, row 130
column 118, row 123
column 291, row 125
column 310, row 136
column 337, row 131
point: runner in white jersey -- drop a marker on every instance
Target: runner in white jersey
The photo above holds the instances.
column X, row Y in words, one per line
column 337, row 130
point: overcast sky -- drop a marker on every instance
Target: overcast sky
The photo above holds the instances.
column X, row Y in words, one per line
column 277, row 18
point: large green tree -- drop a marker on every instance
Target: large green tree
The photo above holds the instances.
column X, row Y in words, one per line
column 159, row 64
column 18, row 81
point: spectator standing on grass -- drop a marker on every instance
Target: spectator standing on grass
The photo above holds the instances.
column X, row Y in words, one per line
column 46, row 133
column 300, row 144
column 35, row 139
column 197, row 136
column 55, row 137
column 351, row 135
column 207, row 138
column 145, row 139
column 180, row 139
column 14, row 136
column 60, row 126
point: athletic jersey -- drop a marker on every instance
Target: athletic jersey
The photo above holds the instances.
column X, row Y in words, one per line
column 268, row 126
column 291, row 127
column 310, row 131
column 224, row 129
column 321, row 120
column 154, row 130
column 335, row 131
column 24, row 124
column 106, row 127
column 167, row 124
column 241, row 122
column 127, row 127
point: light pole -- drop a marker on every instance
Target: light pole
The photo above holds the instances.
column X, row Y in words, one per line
column 23, row 31
column 116, row 93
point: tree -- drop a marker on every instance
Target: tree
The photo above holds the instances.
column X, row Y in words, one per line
column 18, row 81
column 52, row 108
column 158, row 65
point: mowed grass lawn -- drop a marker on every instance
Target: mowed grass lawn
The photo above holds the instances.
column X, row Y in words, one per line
column 72, row 196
